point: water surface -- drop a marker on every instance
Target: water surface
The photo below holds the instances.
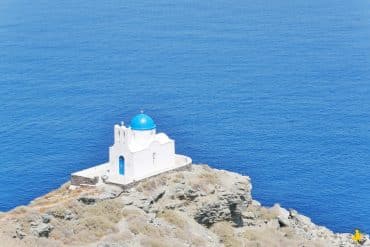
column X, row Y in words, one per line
column 278, row 90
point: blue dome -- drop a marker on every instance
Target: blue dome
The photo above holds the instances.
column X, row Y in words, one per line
column 142, row 122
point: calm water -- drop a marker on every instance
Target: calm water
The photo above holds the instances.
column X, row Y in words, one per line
column 276, row 90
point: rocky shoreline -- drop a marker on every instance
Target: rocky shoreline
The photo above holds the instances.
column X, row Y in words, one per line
column 199, row 207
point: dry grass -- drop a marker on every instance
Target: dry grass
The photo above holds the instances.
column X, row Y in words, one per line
column 94, row 221
column 58, row 212
column 131, row 211
column 61, row 196
column 153, row 183
column 184, row 228
column 154, row 242
column 209, row 178
column 177, row 177
column 140, row 226
column 181, row 225
column 20, row 210
column 109, row 209
column 288, row 232
column 266, row 213
column 273, row 238
column 98, row 226
column 174, row 218
column 204, row 181
column 146, row 185
column 226, row 233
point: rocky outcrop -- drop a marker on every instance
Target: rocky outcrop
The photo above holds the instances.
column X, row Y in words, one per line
column 199, row 207
column 227, row 207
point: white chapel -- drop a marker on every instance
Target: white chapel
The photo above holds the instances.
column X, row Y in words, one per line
column 138, row 152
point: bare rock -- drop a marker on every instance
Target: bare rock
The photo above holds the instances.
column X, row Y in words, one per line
column 41, row 230
column 19, row 232
column 201, row 207
column 249, row 215
column 283, row 222
column 191, row 193
column 110, row 192
column 127, row 200
column 293, row 213
column 69, row 215
column 282, row 215
column 60, row 213
column 225, row 209
column 46, row 218
column 87, row 200
column 158, row 195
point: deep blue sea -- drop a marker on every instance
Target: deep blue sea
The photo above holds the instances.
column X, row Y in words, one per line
column 277, row 90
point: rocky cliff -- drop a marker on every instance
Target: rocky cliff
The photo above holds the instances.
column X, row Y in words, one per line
column 199, row 207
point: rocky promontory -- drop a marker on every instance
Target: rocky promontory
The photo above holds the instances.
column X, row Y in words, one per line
column 197, row 207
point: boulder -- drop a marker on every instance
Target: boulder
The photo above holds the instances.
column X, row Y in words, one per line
column 191, row 193
column 41, row 230
column 87, row 200
column 19, row 232
column 293, row 213
column 186, row 192
column 46, row 218
column 282, row 215
column 283, row 221
column 110, row 192
column 144, row 202
column 179, row 191
column 69, row 215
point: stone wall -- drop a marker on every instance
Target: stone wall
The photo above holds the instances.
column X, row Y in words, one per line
column 79, row 180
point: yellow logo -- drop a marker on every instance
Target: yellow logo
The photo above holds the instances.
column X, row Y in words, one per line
column 357, row 237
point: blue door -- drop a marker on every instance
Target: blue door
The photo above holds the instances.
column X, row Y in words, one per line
column 121, row 165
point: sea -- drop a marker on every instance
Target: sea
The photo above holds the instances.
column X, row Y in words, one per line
column 276, row 90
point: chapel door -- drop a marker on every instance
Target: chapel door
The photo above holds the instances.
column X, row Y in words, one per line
column 121, row 165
